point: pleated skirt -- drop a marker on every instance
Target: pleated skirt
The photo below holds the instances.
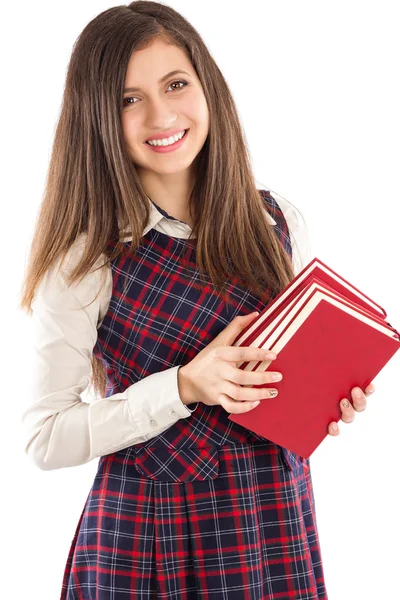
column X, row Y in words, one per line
column 246, row 531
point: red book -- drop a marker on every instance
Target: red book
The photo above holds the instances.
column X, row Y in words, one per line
column 329, row 337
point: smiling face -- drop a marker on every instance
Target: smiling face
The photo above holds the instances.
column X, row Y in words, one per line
column 157, row 108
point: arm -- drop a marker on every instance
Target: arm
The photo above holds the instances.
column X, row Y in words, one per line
column 59, row 429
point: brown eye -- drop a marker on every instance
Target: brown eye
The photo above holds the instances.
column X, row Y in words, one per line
column 185, row 83
column 125, row 99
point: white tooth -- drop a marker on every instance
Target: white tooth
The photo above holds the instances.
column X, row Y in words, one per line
column 167, row 141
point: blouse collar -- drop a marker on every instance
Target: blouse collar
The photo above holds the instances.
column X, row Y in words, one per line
column 161, row 221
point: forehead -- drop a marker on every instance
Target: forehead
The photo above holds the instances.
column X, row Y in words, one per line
column 148, row 65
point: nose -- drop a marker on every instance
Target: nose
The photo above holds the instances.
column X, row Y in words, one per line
column 160, row 115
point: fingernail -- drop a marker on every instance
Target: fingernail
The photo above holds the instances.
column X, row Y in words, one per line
column 255, row 403
column 358, row 393
column 345, row 404
column 335, row 428
column 277, row 377
column 270, row 355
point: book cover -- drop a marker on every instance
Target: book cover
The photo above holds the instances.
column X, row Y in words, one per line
column 326, row 347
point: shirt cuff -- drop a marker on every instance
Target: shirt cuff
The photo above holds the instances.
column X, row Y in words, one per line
column 154, row 401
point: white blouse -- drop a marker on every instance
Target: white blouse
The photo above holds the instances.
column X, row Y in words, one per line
column 60, row 429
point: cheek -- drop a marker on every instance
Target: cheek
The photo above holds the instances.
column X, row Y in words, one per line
column 197, row 110
column 203, row 113
column 129, row 128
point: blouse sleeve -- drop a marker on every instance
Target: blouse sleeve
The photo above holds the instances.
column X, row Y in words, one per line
column 59, row 429
column 298, row 230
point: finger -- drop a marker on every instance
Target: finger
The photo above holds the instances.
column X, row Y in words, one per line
column 244, row 354
column 333, row 428
column 359, row 399
column 236, row 408
column 244, row 378
column 239, row 392
column 348, row 412
column 369, row 389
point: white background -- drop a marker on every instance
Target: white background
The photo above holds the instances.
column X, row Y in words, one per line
column 317, row 87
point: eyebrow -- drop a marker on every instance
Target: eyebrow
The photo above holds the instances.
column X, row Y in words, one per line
column 164, row 78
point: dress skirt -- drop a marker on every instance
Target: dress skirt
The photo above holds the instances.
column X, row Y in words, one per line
column 240, row 527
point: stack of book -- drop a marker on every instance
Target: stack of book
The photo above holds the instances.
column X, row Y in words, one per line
column 329, row 337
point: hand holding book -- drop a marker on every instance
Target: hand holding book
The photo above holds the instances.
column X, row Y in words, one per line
column 348, row 410
column 329, row 337
column 212, row 376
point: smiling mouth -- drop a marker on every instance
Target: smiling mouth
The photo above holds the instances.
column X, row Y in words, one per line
column 176, row 141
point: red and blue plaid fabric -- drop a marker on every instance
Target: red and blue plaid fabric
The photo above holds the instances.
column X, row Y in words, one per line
column 206, row 509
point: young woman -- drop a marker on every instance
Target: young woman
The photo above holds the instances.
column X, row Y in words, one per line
column 147, row 261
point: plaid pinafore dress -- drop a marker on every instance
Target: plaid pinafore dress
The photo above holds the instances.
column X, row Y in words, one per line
column 206, row 510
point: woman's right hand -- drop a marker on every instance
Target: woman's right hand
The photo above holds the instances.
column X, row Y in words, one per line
column 213, row 378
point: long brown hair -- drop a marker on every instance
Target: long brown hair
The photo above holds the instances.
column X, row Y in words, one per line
column 92, row 185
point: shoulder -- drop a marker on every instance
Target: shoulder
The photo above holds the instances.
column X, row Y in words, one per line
column 293, row 216
column 298, row 230
column 55, row 291
column 75, row 254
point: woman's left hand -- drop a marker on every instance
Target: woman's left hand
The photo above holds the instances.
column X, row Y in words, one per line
column 349, row 411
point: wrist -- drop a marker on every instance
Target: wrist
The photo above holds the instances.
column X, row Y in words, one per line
column 184, row 387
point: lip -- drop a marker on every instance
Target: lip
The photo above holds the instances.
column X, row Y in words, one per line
column 166, row 134
column 172, row 147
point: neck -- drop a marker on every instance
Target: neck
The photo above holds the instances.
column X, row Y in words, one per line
column 169, row 193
